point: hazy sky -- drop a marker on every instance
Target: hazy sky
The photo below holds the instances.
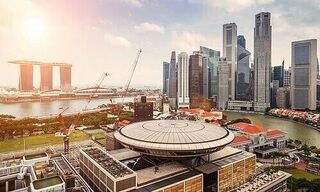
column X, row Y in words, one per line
column 99, row 36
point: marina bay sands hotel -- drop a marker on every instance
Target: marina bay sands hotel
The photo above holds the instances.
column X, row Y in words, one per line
column 46, row 83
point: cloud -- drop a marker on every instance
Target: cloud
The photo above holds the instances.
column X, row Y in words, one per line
column 118, row 41
column 149, row 27
column 186, row 41
column 234, row 5
column 135, row 3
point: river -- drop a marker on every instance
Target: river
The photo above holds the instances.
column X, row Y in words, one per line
column 295, row 130
column 45, row 108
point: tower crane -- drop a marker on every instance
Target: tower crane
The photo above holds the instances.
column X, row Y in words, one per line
column 65, row 132
column 127, row 85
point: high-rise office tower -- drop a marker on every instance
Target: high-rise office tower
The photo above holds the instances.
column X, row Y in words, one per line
column 262, row 61
column 46, row 77
column 165, row 76
column 65, row 77
column 243, row 73
column 230, row 53
column 213, row 61
column 304, row 74
column 26, row 77
column 241, row 41
column 278, row 73
column 287, row 77
column 183, row 80
column 173, row 80
column 223, row 88
column 197, row 92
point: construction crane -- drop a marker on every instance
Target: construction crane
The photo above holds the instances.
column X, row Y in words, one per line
column 127, row 85
column 65, row 132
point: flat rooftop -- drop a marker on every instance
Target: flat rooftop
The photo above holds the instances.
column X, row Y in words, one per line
column 63, row 166
column 107, row 162
column 27, row 62
column 150, row 174
column 35, row 156
column 124, row 154
column 233, row 158
column 47, row 182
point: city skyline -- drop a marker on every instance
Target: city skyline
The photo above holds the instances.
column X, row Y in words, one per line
column 111, row 31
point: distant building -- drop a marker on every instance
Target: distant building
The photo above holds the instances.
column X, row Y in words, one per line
column 243, row 74
column 278, row 74
column 223, row 79
column 143, row 110
column 287, row 77
column 26, row 77
column 183, row 80
column 197, row 85
column 230, row 53
column 274, row 89
column 173, row 80
column 283, row 97
column 262, row 61
column 46, row 77
column 213, row 61
column 304, row 74
column 165, row 78
column 65, row 78
column 257, row 140
column 242, row 41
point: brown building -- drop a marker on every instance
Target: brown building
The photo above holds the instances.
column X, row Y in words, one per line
column 143, row 110
column 197, row 79
column 46, row 77
column 26, row 77
column 65, row 77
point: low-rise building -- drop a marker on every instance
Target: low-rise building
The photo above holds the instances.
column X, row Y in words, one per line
column 256, row 139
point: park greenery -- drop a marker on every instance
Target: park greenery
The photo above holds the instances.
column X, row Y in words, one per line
column 13, row 128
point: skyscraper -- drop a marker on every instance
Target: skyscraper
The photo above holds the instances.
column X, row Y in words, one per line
column 165, row 76
column 241, row 41
column 173, row 80
column 223, row 75
column 65, row 77
column 304, row 74
column 26, row 77
column 287, row 77
column 243, row 74
column 46, row 77
column 278, row 73
column 196, row 79
column 213, row 61
column 262, row 61
column 183, row 80
column 230, row 53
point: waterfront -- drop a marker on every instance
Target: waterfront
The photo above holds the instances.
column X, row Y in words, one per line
column 304, row 133
column 45, row 108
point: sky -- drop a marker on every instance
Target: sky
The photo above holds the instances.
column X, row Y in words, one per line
column 98, row 36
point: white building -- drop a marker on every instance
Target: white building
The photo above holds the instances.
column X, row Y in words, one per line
column 304, row 74
column 223, row 83
column 183, row 80
column 230, row 53
column 262, row 61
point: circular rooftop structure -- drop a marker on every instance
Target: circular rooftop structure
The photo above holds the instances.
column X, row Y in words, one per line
column 174, row 138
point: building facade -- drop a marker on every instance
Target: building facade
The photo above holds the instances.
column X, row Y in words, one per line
column 243, row 74
column 46, row 77
column 165, row 78
column 223, row 88
column 304, row 74
column 230, row 53
column 287, row 77
column 26, row 77
column 173, row 80
column 197, row 84
column 241, row 41
column 65, row 78
column 278, row 74
column 183, row 80
column 262, row 60
column 213, row 61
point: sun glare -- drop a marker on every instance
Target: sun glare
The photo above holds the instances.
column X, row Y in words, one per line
column 35, row 27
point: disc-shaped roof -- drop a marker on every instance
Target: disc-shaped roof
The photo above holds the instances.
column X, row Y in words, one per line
column 174, row 136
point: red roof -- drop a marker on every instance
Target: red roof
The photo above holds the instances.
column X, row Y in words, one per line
column 240, row 139
column 249, row 128
column 273, row 133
